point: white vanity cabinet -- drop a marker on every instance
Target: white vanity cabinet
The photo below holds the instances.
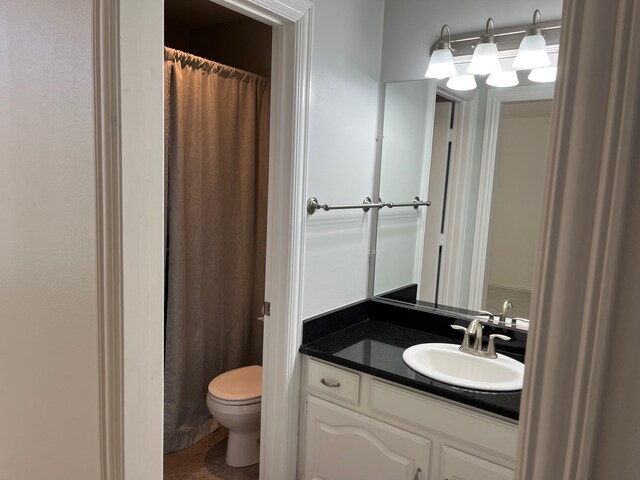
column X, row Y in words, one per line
column 359, row 427
column 342, row 444
column 457, row 465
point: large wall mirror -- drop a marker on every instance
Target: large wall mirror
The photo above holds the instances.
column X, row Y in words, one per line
column 480, row 158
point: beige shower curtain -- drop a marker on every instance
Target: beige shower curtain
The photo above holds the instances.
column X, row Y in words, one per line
column 216, row 139
column 580, row 418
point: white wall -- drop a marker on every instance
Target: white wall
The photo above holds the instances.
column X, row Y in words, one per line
column 49, row 411
column 345, row 83
column 516, row 206
column 412, row 26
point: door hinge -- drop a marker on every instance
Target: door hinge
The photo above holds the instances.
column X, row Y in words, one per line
column 442, row 240
column 450, row 135
column 267, row 309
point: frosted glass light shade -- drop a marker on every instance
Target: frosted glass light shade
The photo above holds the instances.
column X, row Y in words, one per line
column 532, row 53
column 485, row 60
column 462, row 82
column 503, row 79
column 543, row 75
column 441, row 65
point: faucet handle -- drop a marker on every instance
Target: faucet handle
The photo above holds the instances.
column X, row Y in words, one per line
column 465, row 340
column 491, row 348
column 485, row 313
column 515, row 321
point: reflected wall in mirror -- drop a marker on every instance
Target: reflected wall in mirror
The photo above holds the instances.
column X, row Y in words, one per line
column 515, row 208
column 404, row 173
column 480, row 159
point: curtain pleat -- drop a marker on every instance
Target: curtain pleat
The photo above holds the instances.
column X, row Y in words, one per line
column 579, row 416
column 217, row 131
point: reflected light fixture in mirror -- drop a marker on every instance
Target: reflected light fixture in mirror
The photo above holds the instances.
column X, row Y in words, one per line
column 441, row 62
column 462, row 82
column 533, row 48
column 503, row 79
column 485, row 56
column 543, row 75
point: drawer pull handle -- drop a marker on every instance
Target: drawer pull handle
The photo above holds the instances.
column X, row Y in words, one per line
column 329, row 384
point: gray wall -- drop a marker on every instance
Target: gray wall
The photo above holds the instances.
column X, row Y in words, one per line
column 50, row 415
column 345, row 84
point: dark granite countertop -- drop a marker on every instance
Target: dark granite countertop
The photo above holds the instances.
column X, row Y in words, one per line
column 378, row 333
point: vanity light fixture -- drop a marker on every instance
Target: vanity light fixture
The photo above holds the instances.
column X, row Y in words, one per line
column 441, row 62
column 543, row 75
column 462, row 82
column 533, row 47
column 503, row 79
column 485, row 56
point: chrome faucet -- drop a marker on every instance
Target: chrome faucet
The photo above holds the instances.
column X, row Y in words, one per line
column 475, row 328
column 503, row 316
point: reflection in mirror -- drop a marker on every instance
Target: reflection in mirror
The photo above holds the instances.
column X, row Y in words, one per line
column 406, row 148
column 518, row 183
column 480, row 159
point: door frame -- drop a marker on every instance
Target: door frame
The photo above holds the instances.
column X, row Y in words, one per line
column 129, row 100
column 460, row 174
column 495, row 98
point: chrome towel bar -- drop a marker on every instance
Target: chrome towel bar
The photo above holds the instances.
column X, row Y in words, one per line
column 415, row 204
column 313, row 205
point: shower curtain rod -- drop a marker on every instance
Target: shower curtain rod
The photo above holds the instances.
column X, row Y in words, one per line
column 313, row 205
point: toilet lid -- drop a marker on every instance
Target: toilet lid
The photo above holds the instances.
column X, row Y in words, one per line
column 239, row 384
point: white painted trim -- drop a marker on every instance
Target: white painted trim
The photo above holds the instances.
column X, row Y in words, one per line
column 108, row 208
column 495, row 98
column 129, row 206
column 458, row 197
column 292, row 22
column 139, row 205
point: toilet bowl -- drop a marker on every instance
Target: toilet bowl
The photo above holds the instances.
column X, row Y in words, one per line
column 234, row 400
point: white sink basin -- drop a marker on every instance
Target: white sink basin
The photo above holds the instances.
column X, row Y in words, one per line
column 444, row 362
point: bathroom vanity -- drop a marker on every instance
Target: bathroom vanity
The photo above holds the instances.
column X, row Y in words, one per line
column 367, row 415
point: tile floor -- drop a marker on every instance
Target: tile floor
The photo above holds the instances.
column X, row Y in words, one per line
column 205, row 461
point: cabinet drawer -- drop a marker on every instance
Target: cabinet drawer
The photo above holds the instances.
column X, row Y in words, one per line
column 457, row 465
column 326, row 381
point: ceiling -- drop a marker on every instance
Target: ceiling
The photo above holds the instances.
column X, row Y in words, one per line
column 198, row 13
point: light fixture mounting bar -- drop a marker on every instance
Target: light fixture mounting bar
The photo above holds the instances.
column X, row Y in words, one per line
column 507, row 38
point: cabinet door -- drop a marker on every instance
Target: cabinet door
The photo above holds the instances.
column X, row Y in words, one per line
column 457, row 465
column 344, row 445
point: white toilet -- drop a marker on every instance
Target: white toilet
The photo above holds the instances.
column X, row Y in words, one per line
column 234, row 399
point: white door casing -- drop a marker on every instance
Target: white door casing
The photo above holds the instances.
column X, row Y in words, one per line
column 129, row 77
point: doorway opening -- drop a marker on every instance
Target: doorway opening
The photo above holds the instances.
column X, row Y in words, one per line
column 217, row 104
column 440, row 167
